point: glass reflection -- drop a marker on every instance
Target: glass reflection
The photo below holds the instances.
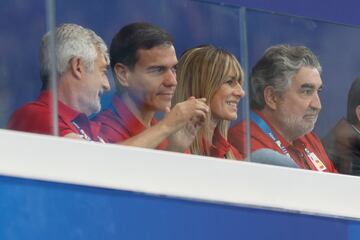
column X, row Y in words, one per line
column 22, row 25
column 333, row 44
column 343, row 141
column 193, row 23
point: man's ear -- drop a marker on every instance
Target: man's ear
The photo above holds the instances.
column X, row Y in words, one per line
column 121, row 74
column 357, row 111
column 271, row 97
column 76, row 67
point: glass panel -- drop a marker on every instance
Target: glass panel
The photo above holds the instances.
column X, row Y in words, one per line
column 336, row 47
column 191, row 23
column 22, row 26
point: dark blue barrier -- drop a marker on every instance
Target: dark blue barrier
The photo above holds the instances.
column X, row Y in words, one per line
column 42, row 210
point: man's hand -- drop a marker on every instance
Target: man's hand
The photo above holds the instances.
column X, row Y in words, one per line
column 182, row 139
column 190, row 110
column 185, row 118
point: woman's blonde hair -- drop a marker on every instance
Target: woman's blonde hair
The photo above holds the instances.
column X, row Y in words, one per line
column 201, row 71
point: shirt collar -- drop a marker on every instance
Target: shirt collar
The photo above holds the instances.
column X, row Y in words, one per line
column 220, row 142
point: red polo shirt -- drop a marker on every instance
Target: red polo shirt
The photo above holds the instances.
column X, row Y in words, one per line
column 220, row 146
column 119, row 123
column 301, row 151
column 36, row 117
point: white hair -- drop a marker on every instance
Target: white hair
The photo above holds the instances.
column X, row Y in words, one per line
column 71, row 40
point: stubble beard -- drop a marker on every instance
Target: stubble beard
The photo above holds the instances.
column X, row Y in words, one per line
column 295, row 126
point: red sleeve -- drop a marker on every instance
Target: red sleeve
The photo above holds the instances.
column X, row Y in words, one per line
column 31, row 119
column 36, row 119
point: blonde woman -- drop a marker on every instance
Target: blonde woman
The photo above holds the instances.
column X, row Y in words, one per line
column 215, row 74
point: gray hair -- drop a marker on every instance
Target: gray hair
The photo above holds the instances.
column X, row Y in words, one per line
column 276, row 69
column 71, row 40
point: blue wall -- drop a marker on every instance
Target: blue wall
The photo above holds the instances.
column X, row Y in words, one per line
column 346, row 11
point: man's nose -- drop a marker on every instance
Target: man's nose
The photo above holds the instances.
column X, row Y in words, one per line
column 106, row 83
column 315, row 102
column 170, row 78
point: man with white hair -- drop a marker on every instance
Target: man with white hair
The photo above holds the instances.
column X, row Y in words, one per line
column 81, row 69
column 285, row 103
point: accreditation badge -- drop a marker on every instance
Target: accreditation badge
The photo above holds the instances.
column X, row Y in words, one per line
column 320, row 166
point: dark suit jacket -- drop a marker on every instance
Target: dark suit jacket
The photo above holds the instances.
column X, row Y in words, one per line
column 342, row 145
